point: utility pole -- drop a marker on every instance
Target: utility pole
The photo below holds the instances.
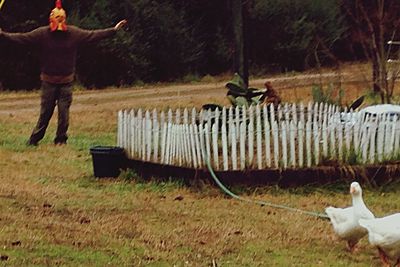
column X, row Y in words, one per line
column 239, row 20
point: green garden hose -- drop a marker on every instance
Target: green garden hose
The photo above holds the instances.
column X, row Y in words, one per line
column 259, row 202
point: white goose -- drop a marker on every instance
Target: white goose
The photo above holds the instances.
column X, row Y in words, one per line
column 345, row 221
column 384, row 233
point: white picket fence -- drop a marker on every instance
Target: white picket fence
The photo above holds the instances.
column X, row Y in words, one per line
column 258, row 137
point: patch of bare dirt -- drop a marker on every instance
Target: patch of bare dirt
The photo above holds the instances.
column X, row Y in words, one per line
column 291, row 88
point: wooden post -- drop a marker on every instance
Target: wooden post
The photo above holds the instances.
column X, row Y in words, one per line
column 239, row 12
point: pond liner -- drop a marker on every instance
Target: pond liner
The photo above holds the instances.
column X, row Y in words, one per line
column 374, row 175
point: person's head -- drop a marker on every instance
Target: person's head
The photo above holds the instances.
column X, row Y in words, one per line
column 58, row 18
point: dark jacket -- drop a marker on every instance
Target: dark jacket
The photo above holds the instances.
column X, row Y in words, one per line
column 58, row 49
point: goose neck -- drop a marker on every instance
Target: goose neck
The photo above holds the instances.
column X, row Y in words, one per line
column 357, row 200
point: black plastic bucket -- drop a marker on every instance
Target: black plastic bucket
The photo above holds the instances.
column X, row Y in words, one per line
column 107, row 160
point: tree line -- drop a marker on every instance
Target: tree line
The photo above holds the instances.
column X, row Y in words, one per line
column 168, row 40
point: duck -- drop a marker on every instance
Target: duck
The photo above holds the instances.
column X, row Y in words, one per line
column 345, row 221
column 384, row 234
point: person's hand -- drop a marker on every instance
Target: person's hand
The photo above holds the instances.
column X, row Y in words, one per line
column 120, row 24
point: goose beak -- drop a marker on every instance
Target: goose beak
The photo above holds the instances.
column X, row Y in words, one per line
column 352, row 190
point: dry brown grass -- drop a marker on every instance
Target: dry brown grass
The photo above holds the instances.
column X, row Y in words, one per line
column 54, row 212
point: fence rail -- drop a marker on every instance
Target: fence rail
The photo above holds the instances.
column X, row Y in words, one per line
column 259, row 137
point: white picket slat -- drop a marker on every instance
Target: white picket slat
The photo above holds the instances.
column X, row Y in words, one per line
column 208, row 138
column 259, row 137
column 186, row 142
column 300, row 141
column 224, row 147
column 308, row 142
column 242, row 139
column 250, row 136
column 295, row 137
column 275, row 134
column 202, row 145
column 372, row 149
column 196, row 137
column 267, row 136
column 292, row 137
column 284, row 144
column 232, row 130
column 120, row 126
column 163, row 142
column 215, row 145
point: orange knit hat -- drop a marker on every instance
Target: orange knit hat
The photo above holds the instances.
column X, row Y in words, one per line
column 58, row 18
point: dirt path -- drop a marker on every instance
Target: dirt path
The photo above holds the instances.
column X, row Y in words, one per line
column 187, row 95
column 99, row 99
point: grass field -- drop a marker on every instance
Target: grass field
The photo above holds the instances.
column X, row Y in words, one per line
column 54, row 212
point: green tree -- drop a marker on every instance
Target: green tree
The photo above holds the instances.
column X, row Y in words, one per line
column 294, row 34
column 168, row 39
column 157, row 45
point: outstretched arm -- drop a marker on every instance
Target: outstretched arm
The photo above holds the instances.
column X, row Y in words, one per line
column 87, row 36
column 22, row 38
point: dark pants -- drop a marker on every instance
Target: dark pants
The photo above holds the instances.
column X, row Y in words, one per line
column 52, row 95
